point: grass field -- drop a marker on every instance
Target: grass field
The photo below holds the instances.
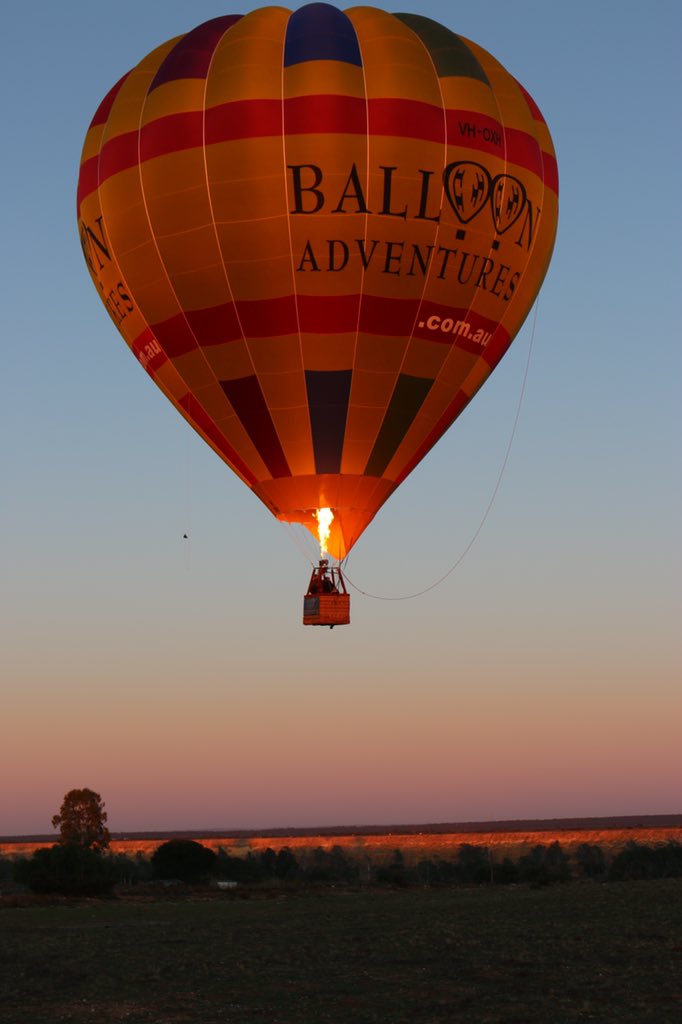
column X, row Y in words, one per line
column 510, row 955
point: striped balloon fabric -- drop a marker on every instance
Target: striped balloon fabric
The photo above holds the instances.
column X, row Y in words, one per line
column 319, row 233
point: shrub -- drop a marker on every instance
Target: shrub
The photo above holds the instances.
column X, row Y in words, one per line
column 184, row 859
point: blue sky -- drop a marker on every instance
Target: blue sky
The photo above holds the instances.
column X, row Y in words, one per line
column 541, row 678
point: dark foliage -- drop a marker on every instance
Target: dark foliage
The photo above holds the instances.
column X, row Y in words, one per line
column 268, row 860
column 74, row 869
column 183, row 859
column 505, row 873
column 69, row 869
column 544, row 865
column 473, row 864
column 395, row 872
column 286, row 865
column 590, row 861
column 639, row 861
column 7, row 867
column 244, row 870
column 332, row 866
column 131, row 870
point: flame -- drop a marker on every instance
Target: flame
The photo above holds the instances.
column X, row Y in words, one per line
column 325, row 518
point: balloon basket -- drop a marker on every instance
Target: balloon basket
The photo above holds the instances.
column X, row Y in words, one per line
column 327, row 602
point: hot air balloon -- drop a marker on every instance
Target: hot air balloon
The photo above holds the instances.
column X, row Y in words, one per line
column 319, row 232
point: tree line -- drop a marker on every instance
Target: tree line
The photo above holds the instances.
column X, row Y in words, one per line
column 81, row 862
column 77, row 870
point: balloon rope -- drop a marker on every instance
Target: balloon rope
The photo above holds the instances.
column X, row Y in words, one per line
column 467, row 549
column 295, row 539
column 187, row 511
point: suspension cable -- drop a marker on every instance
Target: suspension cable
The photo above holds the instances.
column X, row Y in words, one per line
column 296, row 540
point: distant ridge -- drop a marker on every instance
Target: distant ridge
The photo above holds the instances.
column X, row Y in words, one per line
column 440, row 828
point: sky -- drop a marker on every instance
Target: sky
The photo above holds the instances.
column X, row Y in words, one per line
column 540, row 679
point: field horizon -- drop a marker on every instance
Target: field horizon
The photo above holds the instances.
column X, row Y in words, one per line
column 417, row 840
column 578, row 823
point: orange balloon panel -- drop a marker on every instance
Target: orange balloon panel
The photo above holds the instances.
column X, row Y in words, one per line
column 318, row 232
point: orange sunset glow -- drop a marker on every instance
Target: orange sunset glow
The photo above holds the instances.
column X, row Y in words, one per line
column 414, row 846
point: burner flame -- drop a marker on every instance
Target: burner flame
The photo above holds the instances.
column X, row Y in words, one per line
column 325, row 518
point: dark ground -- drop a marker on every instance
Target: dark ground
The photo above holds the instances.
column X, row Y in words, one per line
column 509, row 955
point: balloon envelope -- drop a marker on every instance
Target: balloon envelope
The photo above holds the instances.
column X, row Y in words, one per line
column 318, row 232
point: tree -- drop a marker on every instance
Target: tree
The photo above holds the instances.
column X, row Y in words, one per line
column 184, row 859
column 544, row 865
column 638, row 861
column 286, row 865
column 67, row 868
column 82, row 820
column 268, row 860
column 473, row 863
column 395, row 872
column 590, row 860
column 342, row 869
